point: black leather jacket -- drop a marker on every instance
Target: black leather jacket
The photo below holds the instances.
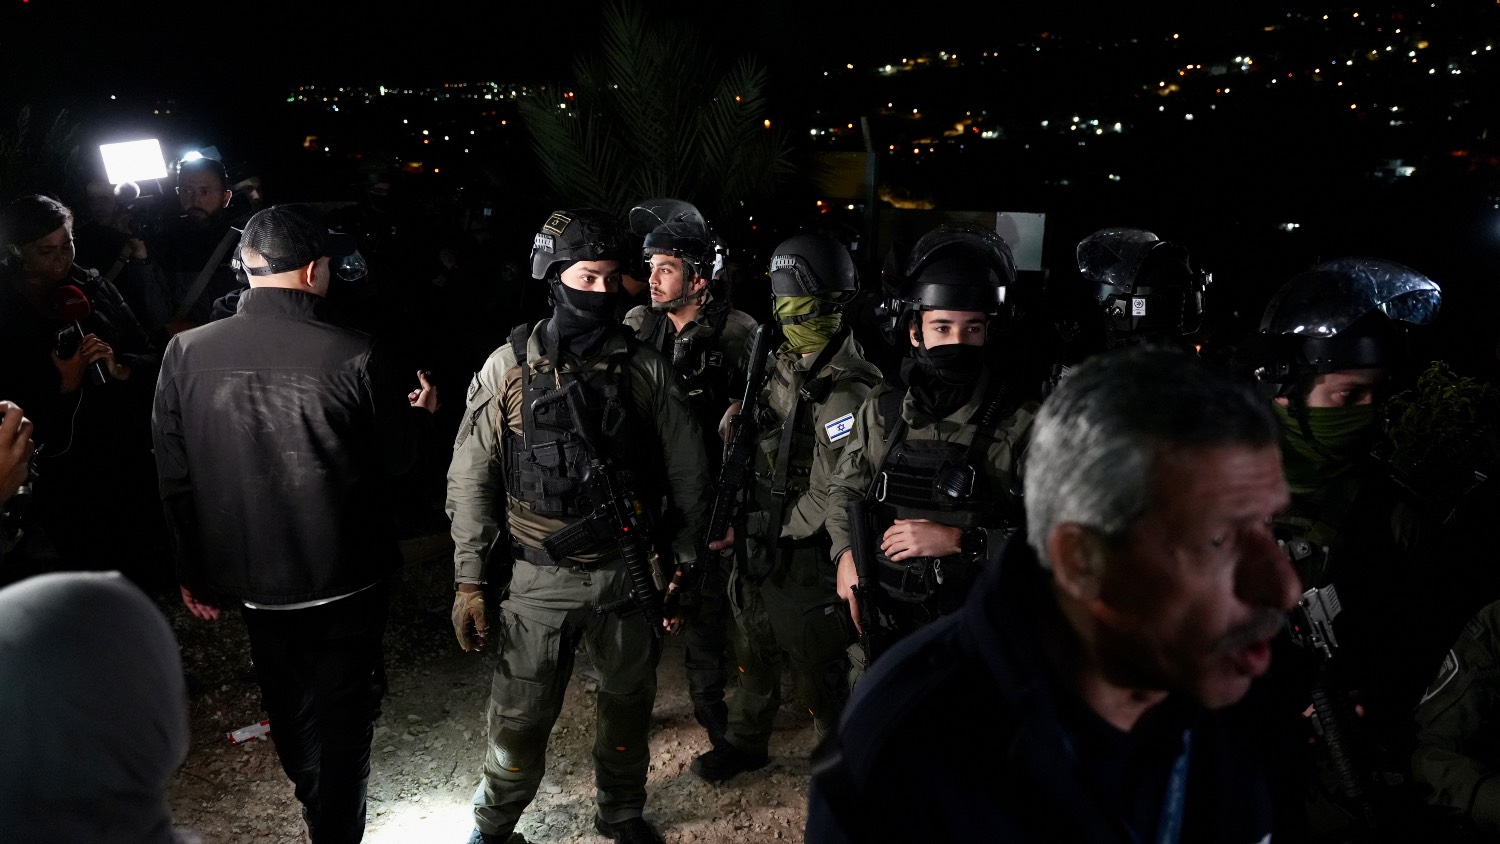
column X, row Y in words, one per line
column 276, row 438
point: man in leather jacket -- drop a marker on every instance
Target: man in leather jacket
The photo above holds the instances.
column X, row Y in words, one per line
column 277, row 434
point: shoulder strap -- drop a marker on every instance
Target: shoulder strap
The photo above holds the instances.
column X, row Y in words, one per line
column 987, row 416
column 205, row 274
column 518, row 337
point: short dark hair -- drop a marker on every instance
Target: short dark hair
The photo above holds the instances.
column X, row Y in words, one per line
column 32, row 217
column 204, row 165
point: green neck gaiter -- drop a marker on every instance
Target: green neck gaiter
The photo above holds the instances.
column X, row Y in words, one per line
column 1340, row 437
column 810, row 335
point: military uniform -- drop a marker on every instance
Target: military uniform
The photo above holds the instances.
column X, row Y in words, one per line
column 549, row 608
column 1458, row 745
column 710, row 357
column 994, row 504
column 781, row 588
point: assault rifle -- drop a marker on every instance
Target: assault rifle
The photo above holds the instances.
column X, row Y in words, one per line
column 1310, row 626
column 734, row 474
column 739, row 456
column 861, row 534
column 616, row 513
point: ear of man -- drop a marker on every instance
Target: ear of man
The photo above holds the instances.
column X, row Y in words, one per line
column 1077, row 553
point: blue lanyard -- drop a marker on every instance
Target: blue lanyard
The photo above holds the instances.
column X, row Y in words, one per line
column 1169, row 828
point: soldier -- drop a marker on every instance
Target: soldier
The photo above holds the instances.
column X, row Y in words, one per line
column 1331, row 343
column 940, row 461
column 1457, row 749
column 786, row 611
column 564, row 427
column 705, row 338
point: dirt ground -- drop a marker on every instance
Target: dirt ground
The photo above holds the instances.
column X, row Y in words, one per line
column 430, row 741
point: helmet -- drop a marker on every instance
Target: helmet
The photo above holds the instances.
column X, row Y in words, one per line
column 645, row 217
column 1349, row 313
column 813, row 265
column 581, row 235
column 1145, row 284
column 959, row 267
column 691, row 241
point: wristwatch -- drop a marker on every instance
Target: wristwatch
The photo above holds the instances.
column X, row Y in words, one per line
column 973, row 543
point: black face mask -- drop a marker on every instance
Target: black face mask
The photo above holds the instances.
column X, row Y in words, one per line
column 581, row 318
column 942, row 378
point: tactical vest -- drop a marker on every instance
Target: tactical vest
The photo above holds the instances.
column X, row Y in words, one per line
column 939, row 481
column 704, row 370
column 773, row 418
column 548, row 461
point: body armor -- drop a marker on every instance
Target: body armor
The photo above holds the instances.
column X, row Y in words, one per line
column 938, row 481
column 702, row 368
column 547, row 462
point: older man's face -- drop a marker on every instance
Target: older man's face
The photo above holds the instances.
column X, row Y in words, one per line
column 1192, row 602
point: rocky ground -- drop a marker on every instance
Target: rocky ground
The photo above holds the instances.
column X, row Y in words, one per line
column 430, row 740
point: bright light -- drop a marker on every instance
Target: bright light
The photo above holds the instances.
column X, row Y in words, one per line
column 133, row 161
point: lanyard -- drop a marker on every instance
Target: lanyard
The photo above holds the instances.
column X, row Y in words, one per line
column 1169, row 828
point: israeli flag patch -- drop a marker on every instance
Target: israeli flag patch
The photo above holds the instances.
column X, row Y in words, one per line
column 839, row 428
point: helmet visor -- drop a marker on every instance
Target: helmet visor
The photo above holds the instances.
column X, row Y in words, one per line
column 1113, row 258
column 1332, row 296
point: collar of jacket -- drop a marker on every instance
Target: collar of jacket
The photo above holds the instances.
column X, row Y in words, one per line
column 279, row 301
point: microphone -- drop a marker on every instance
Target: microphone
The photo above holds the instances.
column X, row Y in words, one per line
column 72, row 306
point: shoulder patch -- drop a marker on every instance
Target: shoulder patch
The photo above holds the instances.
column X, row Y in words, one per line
column 473, row 388
column 1446, row 672
column 839, row 428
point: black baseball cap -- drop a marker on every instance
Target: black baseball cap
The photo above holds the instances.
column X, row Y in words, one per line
column 291, row 236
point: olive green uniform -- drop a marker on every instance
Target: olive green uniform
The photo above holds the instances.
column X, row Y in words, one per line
column 548, row 610
column 786, row 610
column 1457, row 756
column 1000, row 461
column 713, row 378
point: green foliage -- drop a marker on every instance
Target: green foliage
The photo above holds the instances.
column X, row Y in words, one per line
column 1442, row 431
column 651, row 115
column 38, row 158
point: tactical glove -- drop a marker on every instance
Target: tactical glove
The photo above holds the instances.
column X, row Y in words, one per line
column 468, row 611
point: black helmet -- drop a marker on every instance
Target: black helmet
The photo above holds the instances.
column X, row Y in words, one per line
column 959, row 267
column 813, row 265
column 650, row 213
column 1145, row 284
column 581, row 235
column 691, row 241
column 1349, row 313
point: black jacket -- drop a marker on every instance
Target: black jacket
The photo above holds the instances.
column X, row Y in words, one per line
column 276, row 436
column 962, row 732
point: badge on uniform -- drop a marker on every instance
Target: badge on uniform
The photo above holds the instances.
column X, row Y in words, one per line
column 839, row 428
column 1446, row 672
column 473, row 388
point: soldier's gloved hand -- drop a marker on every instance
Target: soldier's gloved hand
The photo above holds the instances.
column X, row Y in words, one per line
column 469, row 622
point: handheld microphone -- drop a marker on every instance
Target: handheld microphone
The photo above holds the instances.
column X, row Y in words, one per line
column 72, row 306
